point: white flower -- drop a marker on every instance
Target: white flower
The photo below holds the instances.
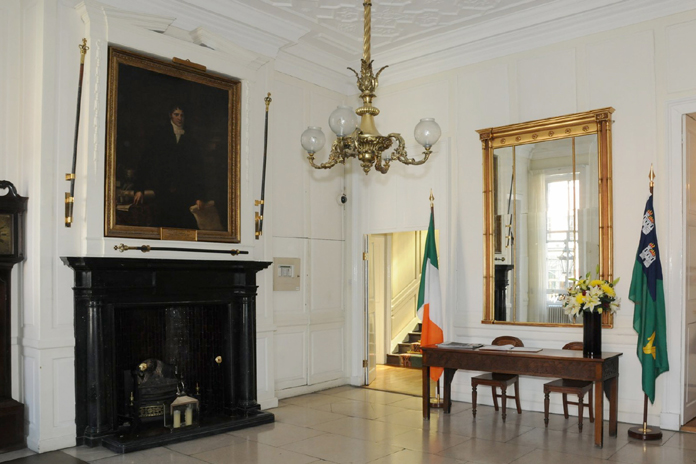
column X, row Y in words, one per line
column 614, row 305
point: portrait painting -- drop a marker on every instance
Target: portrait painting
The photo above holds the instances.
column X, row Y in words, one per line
column 172, row 151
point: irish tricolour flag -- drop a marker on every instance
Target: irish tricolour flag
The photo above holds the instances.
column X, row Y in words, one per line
column 430, row 298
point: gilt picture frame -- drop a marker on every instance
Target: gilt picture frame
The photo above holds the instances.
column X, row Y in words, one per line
column 172, row 151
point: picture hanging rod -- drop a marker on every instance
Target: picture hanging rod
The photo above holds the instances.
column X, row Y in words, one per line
column 146, row 248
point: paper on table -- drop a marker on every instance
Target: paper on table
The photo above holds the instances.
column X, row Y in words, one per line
column 460, row 346
column 510, row 348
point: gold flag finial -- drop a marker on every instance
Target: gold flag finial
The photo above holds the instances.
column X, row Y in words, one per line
column 432, row 198
column 268, row 101
column 651, row 176
column 83, row 50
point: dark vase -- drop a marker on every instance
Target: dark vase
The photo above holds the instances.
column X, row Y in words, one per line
column 591, row 334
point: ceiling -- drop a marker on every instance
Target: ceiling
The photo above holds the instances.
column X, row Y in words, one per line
column 317, row 39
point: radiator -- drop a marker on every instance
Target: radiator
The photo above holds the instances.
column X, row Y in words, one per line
column 556, row 315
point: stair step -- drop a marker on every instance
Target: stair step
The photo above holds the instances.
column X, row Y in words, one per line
column 408, row 348
column 405, row 360
column 413, row 337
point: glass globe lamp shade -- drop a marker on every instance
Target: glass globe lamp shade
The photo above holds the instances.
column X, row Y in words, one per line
column 313, row 139
column 427, row 132
column 343, row 121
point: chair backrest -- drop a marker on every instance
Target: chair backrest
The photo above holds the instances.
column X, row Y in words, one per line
column 573, row 346
column 508, row 340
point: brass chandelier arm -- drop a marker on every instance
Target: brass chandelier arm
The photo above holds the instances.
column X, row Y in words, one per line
column 328, row 165
column 382, row 164
column 341, row 148
column 400, row 154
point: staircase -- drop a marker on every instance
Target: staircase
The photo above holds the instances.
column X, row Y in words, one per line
column 408, row 353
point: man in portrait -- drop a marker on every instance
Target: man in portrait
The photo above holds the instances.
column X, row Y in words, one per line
column 171, row 168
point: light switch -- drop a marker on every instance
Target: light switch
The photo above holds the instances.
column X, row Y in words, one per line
column 287, row 274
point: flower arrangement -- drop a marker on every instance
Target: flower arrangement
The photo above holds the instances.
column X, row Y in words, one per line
column 594, row 295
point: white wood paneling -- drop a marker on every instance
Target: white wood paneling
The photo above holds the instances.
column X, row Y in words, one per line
column 326, row 353
column 326, row 286
column 621, row 74
column 288, row 190
column 265, row 366
column 546, row 85
column 63, row 374
column 681, row 65
column 290, row 357
column 428, row 99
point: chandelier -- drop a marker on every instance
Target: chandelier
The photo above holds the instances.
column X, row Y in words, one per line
column 364, row 142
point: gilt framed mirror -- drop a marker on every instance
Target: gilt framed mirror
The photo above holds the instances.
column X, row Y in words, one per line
column 547, row 215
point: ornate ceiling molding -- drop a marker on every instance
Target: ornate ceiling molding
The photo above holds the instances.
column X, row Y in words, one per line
column 314, row 39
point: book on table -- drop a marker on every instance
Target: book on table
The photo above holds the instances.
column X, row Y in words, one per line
column 460, row 346
column 521, row 349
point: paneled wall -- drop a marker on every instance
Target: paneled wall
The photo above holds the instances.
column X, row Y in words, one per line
column 308, row 223
column 640, row 71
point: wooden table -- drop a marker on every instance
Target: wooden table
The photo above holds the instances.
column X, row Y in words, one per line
column 568, row 364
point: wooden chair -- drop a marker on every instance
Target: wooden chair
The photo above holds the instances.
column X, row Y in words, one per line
column 502, row 381
column 569, row 387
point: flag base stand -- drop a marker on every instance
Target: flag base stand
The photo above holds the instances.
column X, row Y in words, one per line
column 437, row 403
column 645, row 433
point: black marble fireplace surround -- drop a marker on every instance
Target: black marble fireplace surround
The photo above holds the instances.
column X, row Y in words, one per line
column 122, row 308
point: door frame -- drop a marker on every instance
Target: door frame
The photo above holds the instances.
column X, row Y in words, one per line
column 674, row 380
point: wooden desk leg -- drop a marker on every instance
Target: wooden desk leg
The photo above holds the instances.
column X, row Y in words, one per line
column 426, row 392
column 613, row 405
column 449, row 375
column 599, row 414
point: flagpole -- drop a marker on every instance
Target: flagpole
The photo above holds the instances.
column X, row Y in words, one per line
column 645, row 433
column 436, row 402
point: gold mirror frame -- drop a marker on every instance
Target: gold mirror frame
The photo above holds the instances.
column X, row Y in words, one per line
column 590, row 122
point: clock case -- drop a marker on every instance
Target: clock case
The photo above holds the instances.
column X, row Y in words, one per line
column 12, row 434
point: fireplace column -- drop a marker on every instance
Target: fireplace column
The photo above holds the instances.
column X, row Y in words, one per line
column 247, row 363
column 94, row 323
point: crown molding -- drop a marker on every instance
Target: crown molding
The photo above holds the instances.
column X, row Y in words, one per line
column 238, row 23
column 202, row 36
column 89, row 9
column 599, row 20
column 309, row 71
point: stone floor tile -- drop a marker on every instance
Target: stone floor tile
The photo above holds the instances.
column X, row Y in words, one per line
column 89, row 454
column 303, row 417
column 637, row 452
column 415, row 457
column 252, row 452
column 426, row 441
column 154, row 455
column 366, row 410
column 205, row 444
column 343, row 450
column 277, row 433
column 479, row 450
column 363, row 429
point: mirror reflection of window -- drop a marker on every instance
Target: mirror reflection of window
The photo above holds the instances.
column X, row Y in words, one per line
column 546, row 225
column 542, row 214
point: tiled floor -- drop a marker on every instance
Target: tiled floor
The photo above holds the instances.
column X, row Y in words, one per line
column 356, row 425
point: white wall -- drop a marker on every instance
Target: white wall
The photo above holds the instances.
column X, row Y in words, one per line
column 638, row 70
column 308, row 223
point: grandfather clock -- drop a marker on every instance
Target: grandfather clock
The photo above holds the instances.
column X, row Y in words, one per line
column 12, row 244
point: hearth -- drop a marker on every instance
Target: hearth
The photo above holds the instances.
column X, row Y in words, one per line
column 195, row 318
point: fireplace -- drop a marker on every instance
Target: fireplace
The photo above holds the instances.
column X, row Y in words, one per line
column 196, row 316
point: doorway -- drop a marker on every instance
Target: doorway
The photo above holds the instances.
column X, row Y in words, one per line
column 392, row 329
column 689, row 146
